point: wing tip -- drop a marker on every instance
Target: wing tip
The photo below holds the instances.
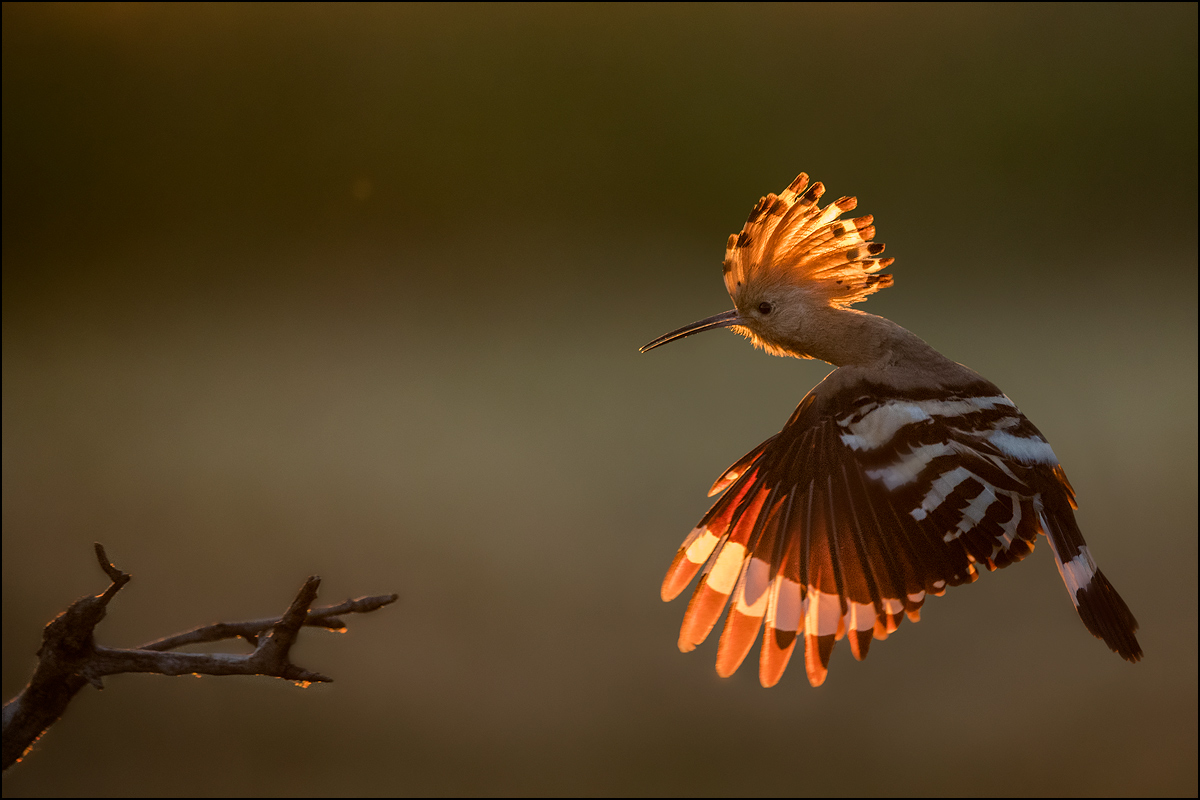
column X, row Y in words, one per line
column 736, row 640
column 676, row 580
column 860, row 642
column 776, row 651
column 817, row 650
column 705, row 607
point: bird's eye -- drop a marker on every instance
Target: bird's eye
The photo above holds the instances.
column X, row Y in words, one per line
column 764, row 308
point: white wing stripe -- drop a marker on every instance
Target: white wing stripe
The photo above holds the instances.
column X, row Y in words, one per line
column 824, row 611
column 699, row 550
column 1027, row 450
column 877, row 427
column 785, row 612
column 860, row 616
column 976, row 510
column 938, row 492
column 909, row 467
column 727, row 569
column 752, row 598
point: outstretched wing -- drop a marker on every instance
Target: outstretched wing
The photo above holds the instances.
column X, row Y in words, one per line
column 866, row 502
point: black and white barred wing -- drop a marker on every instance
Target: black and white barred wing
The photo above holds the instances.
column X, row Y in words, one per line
column 865, row 503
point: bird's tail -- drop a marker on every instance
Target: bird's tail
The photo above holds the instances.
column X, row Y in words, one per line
column 1102, row 610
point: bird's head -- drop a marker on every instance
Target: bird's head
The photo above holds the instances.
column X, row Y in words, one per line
column 791, row 258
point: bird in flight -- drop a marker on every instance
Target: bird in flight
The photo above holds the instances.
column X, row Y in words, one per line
column 898, row 475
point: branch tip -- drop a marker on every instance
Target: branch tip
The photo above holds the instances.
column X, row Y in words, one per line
column 118, row 577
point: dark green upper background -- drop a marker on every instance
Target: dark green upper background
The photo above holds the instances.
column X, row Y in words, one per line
column 256, row 122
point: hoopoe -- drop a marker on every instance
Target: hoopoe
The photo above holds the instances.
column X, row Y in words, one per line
column 898, row 475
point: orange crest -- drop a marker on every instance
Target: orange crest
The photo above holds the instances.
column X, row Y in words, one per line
column 788, row 240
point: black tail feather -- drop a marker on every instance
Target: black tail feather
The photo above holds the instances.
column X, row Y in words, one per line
column 1107, row 617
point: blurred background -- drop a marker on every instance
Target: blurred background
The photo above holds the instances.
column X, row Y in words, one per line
column 358, row 291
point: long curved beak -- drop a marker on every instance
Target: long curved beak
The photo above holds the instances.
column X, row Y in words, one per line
column 723, row 320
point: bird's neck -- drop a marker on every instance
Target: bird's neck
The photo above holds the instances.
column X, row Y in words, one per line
column 845, row 337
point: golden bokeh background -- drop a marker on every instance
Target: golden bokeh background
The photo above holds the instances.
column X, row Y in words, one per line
column 358, row 291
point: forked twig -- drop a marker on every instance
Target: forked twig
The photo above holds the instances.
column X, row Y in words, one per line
column 69, row 659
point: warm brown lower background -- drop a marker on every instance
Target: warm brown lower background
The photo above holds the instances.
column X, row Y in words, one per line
column 358, row 292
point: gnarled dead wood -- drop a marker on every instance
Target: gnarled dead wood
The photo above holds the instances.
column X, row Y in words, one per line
column 69, row 658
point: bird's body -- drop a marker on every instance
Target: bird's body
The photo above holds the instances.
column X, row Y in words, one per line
column 897, row 475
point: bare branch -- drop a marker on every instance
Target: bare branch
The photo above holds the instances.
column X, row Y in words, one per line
column 69, row 659
column 324, row 617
